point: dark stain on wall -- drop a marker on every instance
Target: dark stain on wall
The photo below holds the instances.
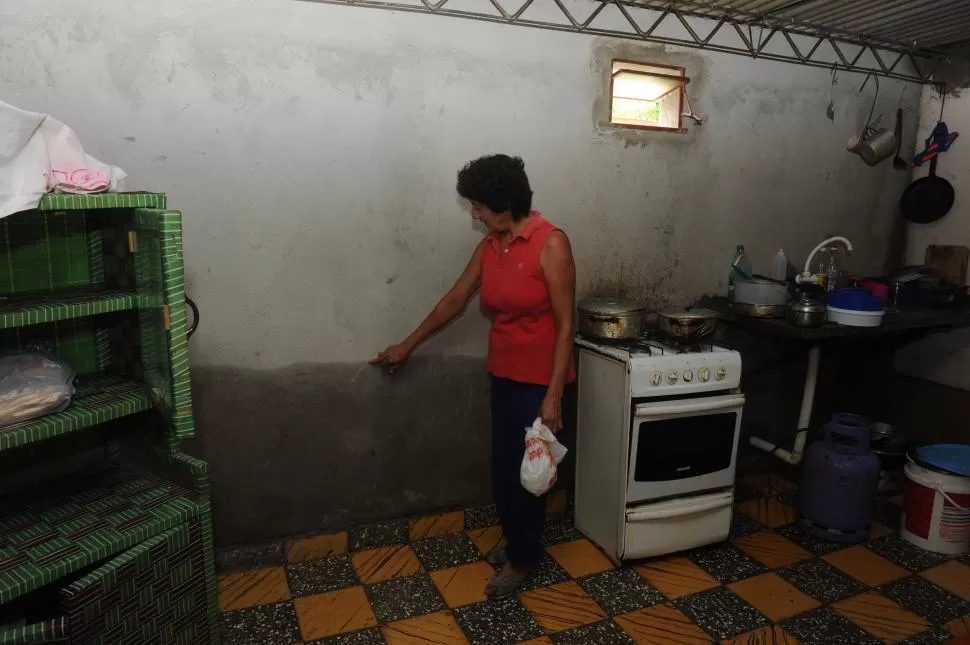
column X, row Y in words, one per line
column 315, row 447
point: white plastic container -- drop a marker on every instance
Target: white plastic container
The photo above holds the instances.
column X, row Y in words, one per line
column 760, row 292
column 852, row 318
column 936, row 514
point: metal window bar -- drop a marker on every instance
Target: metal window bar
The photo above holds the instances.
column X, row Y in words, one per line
column 776, row 30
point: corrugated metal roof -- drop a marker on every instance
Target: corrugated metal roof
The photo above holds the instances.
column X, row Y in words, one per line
column 919, row 25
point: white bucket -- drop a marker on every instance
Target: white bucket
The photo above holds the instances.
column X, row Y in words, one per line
column 936, row 515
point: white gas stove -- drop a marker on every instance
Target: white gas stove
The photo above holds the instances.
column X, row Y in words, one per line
column 657, row 440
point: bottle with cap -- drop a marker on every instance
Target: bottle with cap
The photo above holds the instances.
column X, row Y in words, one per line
column 779, row 266
column 741, row 261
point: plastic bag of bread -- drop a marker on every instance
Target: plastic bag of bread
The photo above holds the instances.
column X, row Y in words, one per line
column 32, row 385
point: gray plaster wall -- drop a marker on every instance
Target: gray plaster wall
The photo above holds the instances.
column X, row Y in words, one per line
column 313, row 150
column 943, row 357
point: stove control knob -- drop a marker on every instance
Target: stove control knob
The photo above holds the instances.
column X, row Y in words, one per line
column 704, row 374
column 672, row 376
column 656, row 378
column 720, row 373
column 688, row 376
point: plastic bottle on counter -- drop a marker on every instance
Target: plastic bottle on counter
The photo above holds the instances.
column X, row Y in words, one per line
column 779, row 266
column 742, row 262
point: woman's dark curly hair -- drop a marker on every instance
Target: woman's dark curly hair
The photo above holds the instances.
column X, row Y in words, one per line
column 499, row 182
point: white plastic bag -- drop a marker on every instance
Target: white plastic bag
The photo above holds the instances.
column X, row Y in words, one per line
column 543, row 452
column 32, row 385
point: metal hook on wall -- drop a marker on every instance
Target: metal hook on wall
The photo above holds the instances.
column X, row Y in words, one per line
column 830, row 108
column 869, row 123
column 866, row 81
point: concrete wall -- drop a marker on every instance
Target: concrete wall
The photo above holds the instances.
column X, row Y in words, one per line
column 313, row 150
column 943, row 358
column 935, row 373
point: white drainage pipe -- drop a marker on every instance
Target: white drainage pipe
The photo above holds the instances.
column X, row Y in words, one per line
column 794, row 457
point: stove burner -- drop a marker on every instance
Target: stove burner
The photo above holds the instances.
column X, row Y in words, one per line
column 639, row 346
column 633, row 345
column 677, row 346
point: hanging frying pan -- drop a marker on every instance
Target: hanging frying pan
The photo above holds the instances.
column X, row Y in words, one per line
column 927, row 199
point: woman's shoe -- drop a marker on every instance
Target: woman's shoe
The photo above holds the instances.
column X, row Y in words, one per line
column 506, row 583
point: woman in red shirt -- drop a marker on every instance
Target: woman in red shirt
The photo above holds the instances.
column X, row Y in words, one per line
column 524, row 268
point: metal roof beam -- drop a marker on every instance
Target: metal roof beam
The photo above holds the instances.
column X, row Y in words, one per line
column 755, row 35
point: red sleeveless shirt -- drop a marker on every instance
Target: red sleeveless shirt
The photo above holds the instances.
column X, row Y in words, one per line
column 522, row 339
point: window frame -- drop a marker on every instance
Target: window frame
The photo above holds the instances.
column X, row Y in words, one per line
column 682, row 71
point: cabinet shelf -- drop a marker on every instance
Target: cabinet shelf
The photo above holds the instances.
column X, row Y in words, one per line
column 80, row 521
column 66, row 202
column 97, row 399
column 19, row 310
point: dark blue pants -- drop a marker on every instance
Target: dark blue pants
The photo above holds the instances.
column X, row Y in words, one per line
column 514, row 407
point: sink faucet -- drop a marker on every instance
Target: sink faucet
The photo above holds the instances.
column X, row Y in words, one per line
column 806, row 275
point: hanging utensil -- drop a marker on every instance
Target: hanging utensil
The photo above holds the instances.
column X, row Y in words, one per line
column 875, row 144
column 940, row 138
column 898, row 162
column 930, row 198
column 878, row 146
column 830, row 110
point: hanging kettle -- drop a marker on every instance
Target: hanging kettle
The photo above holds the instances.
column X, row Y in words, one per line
column 875, row 144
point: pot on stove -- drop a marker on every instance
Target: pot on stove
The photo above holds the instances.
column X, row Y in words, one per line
column 687, row 325
column 611, row 318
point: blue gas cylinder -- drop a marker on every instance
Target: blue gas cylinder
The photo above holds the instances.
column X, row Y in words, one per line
column 839, row 479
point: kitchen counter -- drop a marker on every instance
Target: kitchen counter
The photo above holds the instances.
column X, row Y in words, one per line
column 860, row 363
column 895, row 324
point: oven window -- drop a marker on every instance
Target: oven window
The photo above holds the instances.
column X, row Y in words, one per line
column 670, row 449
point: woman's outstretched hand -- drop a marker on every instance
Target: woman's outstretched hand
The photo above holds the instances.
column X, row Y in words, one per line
column 393, row 358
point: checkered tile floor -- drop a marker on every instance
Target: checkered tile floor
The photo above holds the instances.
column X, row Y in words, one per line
column 421, row 581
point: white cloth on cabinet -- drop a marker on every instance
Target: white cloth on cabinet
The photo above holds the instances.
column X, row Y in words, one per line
column 38, row 155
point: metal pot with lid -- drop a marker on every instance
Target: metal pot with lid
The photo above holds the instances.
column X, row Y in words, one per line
column 807, row 311
column 687, row 325
column 611, row 318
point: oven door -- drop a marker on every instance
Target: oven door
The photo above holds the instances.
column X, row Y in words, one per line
column 683, row 447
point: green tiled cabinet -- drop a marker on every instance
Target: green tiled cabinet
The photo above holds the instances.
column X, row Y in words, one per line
column 105, row 524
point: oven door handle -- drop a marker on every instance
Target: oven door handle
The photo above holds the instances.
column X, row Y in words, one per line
column 688, row 407
column 666, row 514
